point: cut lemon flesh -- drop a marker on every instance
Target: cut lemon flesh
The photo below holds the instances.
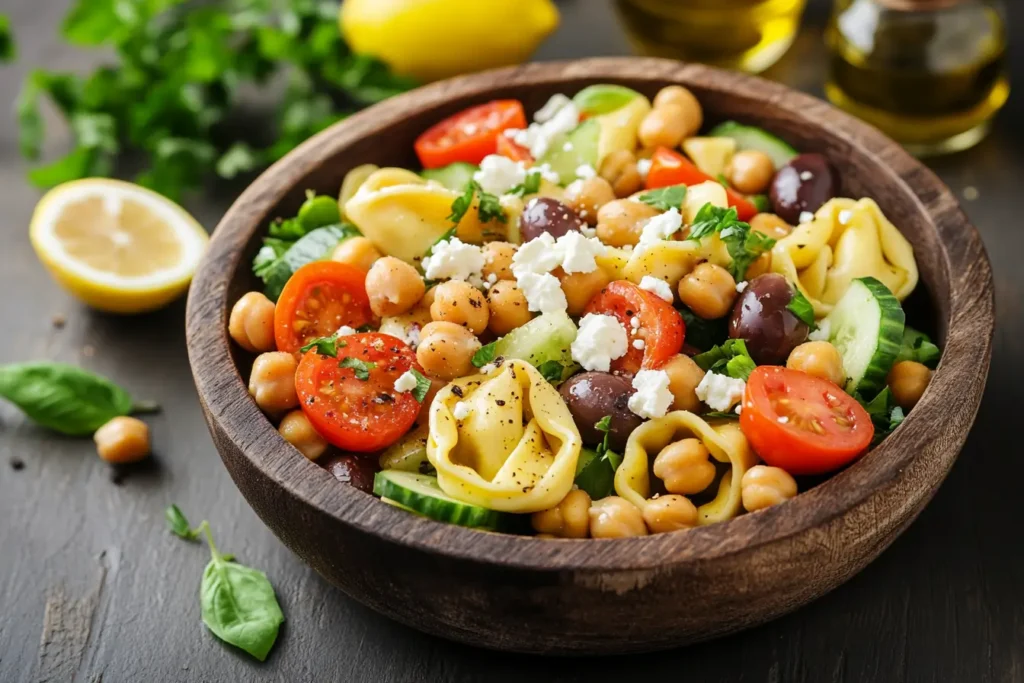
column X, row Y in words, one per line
column 116, row 246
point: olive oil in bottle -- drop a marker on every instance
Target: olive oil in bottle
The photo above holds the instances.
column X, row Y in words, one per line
column 929, row 73
column 739, row 34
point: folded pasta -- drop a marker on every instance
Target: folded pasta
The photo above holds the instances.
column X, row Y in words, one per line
column 505, row 441
column 847, row 240
column 725, row 442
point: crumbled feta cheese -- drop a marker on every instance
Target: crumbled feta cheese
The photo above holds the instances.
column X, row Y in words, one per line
column 822, row 333
column 539, row 136
column 806, row 217
column 344, row 331
column 551, row 107
column 567, row 147
column 499, row 174
column 546, row 173
column 643, row 167
column 600, row 340
column 660, row 227
column 579, row 253
column 657, row 286
column 634, row 322
column 844, row 216
column 741, row 285
column 783, row 420
column 454, row 260
column 587, row 230
column 573, row 251
column 543, row 292
column 489, row 368
column 461, row 411
column 720, row 392
column 406, row 382
column 739, row 409
column 806, row 175
column 639, row 344
column 585, row 171
column 653, row 397
column 406, row 331
column 539, row 255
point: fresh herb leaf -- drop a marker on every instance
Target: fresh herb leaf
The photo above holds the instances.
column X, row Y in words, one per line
column 745, row 246
column 718, row 415
column 613, row 458
column 7, row 50
column 531, row 185
column 463, row 203
column 240, row 158
column 361, row 367
column 711, row 219
column 722, row 180
column 665, row 198
column 761, row 203
column 313, row 246
column 484, row 355
column 595, row 472
column 179, row 525
column 318, row 211
column 918, row 347
column 604, row 425
column 703, row 334
column 551, row 370
column 326, row 346
column 740, row 367
column 65, row 398
column 884, row 412
column 490, row 208
column 730, row 358
column 287, row 229
column 422, row 385
column 801, row 308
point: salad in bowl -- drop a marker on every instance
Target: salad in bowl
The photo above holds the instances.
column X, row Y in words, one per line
column 604, row 320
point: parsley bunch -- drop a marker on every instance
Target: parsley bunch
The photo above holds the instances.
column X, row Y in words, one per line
column 173, row 93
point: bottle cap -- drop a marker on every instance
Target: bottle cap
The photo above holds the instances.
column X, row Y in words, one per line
column 917, row 5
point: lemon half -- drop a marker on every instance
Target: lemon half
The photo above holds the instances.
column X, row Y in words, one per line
column 116, row 246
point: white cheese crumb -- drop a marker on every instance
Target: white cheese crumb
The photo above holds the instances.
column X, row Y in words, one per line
column 739, row 409
column 634, row 322
column 539, row 255
column 657, row 286
column 720, row 392
column 661, row 227
column 579, row 252
column 406, row 382
column 643, row 167
column 741, row 285
column 806, row 217
column 551, row 107
column 586, row 230
column 499, row 174
column 406, row 331
column 639, row 344
column 492, row 278
column 806, row 175
column 539, row 136
column 600, row 340
column 344, row 331
column 567, row 147
column 844, row 216
column 822, row 333
column 547, row 173
column 653, row 397
column 462, row 411
column 454, row 260
column 543, row 292
column 585, row 171
column 489, row 368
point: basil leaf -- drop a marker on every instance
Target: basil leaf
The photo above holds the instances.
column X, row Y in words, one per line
column 718, row 415
column 665, row 198
column 422, row 385
column 529, row 186
column 594, row 474
column 490, row 208
column 313, row 246
column 801, row 308
column 745, row 246
column 917, row 346
column 730, row 358
column 361, row 367
column 703, row 334
column 484, row 355
column 179, row 525
column 463, row 202
column 326, row 346
column 65, row 398
column 551, row 370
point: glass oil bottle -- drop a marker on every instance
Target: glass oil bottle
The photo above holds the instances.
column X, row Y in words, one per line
column 750, row 35
column 929, row 73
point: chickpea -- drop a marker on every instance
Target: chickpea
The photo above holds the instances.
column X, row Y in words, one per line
column 669, row 513
column 665, row 126
column 251, row 324
column 393, row 287
column 683, row 377
column 358, row 252
column 750, row 171
column 580, row 288
column 272, row 382
column 761, row 265
column 615, row 517
column 569, row 519
column 908, row 379
column 299, row 432
column 586, row 197
column 508, row 307
column 685, row 467
column 619, row 223
column 122, row 440
column 677, row 95
column 428, row 299
column 461, row 303
column 498, row 260
column 619, row 169
column 446, row 350
column 818, row 358
column 764, row 486
column 771, row 225
column 709, row 291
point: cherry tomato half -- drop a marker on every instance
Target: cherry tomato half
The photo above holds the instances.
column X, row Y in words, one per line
column 661, row 326
column 470, row 135
column 507, row 147
column 351, row 400
column 319, row 298
column 671, row 168
column 803, row 424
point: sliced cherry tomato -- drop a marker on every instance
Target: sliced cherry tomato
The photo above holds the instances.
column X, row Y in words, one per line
column 319, row 298
column 351, row 400
column 507, row 147
column 801, row 423
column 470, row 135
column 671, row 168
column 661, row 327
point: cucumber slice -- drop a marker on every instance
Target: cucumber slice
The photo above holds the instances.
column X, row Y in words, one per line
column 603, row 98
column 453, row 176
column 578, row 148
column 866, row 327
column 545, row 339
column 421, row 494
column 750, row 137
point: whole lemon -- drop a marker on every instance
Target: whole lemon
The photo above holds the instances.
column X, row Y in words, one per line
column 433, row 39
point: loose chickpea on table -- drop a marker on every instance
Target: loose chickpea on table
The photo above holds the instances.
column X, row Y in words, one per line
column 123, row 440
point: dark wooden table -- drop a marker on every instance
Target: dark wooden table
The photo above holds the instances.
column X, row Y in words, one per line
column 93, row 588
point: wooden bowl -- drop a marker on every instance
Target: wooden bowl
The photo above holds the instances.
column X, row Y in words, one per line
column 600, row 596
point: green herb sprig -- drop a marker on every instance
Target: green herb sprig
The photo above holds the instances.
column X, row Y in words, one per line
column 884, row 412
column 488, row 205
column 802, row 308
column 665, row 198
column 360, row 367
column 744, row 244
column 730, row 358
column 422, row 385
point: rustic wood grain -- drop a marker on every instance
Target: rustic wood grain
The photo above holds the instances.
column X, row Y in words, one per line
column 522, row 594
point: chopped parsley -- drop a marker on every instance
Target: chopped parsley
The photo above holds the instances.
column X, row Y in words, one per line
column 884, row 412
column 531, row 185
column 488, row 207
column 730, row 359
column 665, row 198
column 362, row 368
column 801, row 308
column 422, row 385
column 744, row 245
column 485, row 355
column 326, row 346
column 551, row 370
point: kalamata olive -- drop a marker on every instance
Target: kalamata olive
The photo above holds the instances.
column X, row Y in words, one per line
column 544, row 214
column 592, row 395
column 357, row 470
column 804, row 184
column 761, row 319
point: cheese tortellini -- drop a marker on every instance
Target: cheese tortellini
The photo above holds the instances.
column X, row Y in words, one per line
column 846, row 240
column 505, row 441
column 724, row 441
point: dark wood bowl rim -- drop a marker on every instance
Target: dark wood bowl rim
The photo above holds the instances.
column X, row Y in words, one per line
column 224, row 395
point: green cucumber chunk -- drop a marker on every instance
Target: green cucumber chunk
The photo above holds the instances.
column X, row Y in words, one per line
column 579, row 147
column 866, row 327
column 453, row 176
column 603, row 98
column 750, row 137
column 541, row 342
column 422, row 494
